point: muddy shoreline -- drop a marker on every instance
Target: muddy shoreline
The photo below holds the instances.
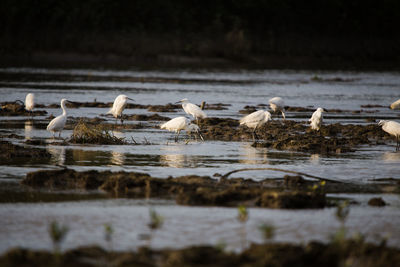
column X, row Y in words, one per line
column 279, row 254
column 289, row 192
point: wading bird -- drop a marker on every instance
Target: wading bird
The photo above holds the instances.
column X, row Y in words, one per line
column 57, row 124
column 395, row 105
column 392, row 128
column 316, row 119
column 193, row 128
column 119, row 106
column 181, row 123
column 255, row 120
column 30, row 102
column 277, row 104
column 192, row 109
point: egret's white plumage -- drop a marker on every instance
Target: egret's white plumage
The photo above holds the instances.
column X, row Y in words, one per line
column 194, row 128
column 316, row 119
column 192, row 109
column 30, row 102
column 392, row 128
column 119, row 106
column 395, row 105
column 57, row 124
column 181, row 123
column 255, row 120
column 277, row 104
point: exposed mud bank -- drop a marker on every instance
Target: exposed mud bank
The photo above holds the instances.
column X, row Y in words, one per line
column 11, row 151
column 344, row 253
column 290, row 192
column 298, row 136
column 18, row 109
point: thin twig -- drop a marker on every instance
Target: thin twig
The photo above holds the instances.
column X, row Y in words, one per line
column 280, row 170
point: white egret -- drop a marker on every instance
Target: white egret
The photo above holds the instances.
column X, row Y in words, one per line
column 277, row 104
column 316, row 119
column 392, row 128
column 30, row 102
column 181, row 123
column 395, row 105
column 255, row 120
column 192, row 109
column 57, row 124
column 119, row 106
column 194, row 128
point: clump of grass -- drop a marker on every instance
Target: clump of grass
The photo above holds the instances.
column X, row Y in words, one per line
column 268, row 231
column 243, row 216
column 94, row 134
column 342, row 212
column 156, row 222
column 108, row 232
column 57, row 234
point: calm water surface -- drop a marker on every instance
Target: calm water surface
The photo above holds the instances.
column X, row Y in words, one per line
column 348, row 91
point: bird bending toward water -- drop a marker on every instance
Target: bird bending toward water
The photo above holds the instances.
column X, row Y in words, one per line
column 30, row 102
column 118, row 107
column 57, row 124
column 192, row 109
column 392, row 128
column 316, row 119
column 181, row 123
column 277, row 104
column 395, row 105
column 255, row 120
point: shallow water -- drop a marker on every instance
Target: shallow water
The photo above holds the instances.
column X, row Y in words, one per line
column 163, row 157
column 26, row 225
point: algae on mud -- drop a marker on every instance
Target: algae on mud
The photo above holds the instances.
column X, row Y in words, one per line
column 297, row 136
column 94, row 134
column 292, row 192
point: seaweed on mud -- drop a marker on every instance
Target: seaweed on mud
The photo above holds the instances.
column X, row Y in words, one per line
column 17, row 108
column 292, row 192
column 11, row 151
column 94, row 134
column 144, row 117
column 297, row 136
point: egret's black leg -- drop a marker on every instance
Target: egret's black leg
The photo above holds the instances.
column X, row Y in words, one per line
column 201, row 136
column 255, row 136
column 177, row 136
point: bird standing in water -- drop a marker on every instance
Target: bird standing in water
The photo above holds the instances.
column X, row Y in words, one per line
column 30, row 102
column 181, row 123
column 57, row 124
column 316, row 119
column 255, row 120
column 118, row 107
column 392, row 128
column 192, row 109
column 277, row 104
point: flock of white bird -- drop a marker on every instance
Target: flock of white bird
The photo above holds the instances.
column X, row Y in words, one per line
column 253, row 120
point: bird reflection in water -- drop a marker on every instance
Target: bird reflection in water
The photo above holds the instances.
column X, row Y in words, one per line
column 252, row 155
column 28, row 129
column 57, row 154
column 173, row 160
column 391, row 156
column 315, row 159
column 117, row 158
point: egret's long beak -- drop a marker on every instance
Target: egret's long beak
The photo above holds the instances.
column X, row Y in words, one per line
column 178, row 102
column 130, row 99
column 201, row 136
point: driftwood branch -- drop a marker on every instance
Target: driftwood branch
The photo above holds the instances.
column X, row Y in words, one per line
column 280, row 170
